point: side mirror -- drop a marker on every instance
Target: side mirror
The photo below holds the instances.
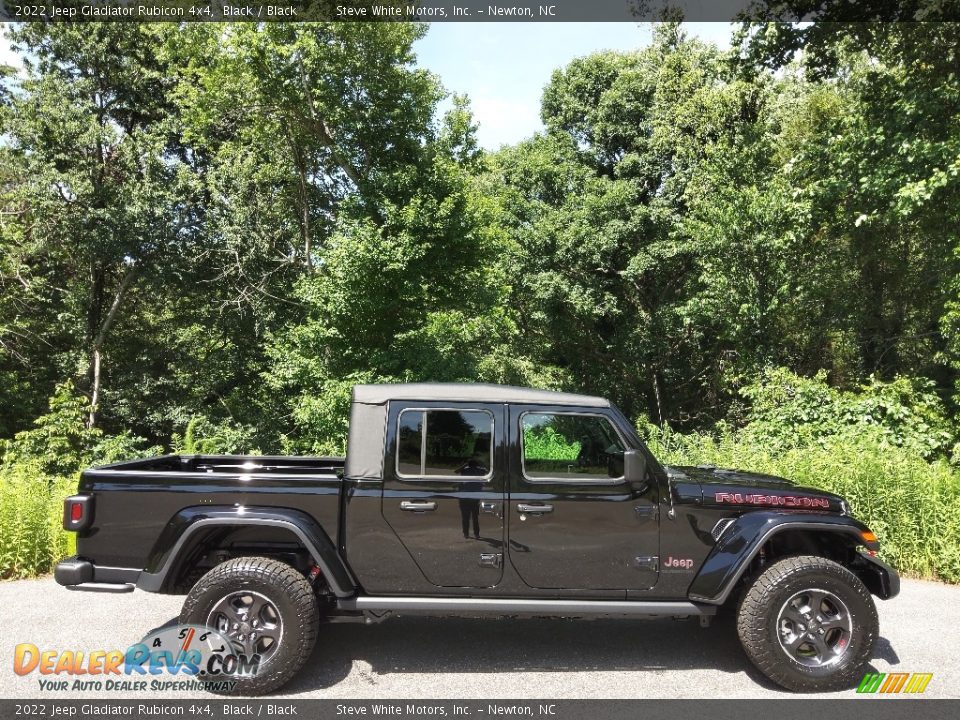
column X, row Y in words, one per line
column 635, row 467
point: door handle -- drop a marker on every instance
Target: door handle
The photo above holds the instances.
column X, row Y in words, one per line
column 488, row 507
column 534, row 509
column 411, row 506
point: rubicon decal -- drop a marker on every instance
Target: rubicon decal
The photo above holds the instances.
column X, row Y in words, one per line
column 201, row 657
column 790, row 501
column 894, row 683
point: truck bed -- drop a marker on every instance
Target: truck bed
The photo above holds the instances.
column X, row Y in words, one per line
column 136, row 500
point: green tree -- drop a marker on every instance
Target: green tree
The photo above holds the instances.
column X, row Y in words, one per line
column 596, row 209
column 879, row 174
column 94, row 204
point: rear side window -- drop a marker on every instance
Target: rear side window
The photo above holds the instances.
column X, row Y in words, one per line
column 409, row 443
column 558, row 446
column 445, row 444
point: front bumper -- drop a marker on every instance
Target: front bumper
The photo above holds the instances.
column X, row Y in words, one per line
column 77, row 573
column 880, row 579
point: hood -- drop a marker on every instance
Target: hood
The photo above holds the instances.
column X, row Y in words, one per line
column 721, row 487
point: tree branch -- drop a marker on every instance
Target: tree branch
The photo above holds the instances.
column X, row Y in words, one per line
column 114, row 306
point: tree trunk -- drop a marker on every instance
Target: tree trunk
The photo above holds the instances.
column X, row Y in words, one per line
column 323, row 131
column 304, row 203
column 95, row 393
column 656, row 395
column 97, row 346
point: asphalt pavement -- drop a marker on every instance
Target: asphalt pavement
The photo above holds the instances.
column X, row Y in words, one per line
column 419, row 658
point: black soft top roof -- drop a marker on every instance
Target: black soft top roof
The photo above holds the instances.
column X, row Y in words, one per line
column 470, row 392
column 368, row 413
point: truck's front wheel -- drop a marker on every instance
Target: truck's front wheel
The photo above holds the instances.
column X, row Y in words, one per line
column 808, row 624
column 266, row 609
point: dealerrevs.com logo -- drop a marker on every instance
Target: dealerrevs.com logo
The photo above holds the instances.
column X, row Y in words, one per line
column 179, row 657
column 894, row 683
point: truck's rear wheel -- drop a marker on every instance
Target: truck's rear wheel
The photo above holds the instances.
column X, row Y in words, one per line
column 264, row 607
column 808, row 624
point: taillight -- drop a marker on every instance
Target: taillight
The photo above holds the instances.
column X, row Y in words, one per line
column 77, row 512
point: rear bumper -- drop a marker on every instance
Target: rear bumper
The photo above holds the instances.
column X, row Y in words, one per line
column 880, row 579
column 79, row 574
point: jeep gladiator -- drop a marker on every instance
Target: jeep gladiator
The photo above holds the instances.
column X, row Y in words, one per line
column 470, row 499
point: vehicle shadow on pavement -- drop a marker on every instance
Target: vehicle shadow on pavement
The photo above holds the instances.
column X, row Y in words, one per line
column 445, row 645
column 430, row 645
column 883, row 650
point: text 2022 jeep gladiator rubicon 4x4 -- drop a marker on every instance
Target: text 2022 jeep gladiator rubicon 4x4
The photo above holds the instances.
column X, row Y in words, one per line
column 462, row 499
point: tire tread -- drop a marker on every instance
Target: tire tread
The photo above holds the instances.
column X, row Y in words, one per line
column 770, row 660
column 281, row 578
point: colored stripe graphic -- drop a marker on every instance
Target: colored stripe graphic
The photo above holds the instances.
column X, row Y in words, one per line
column 893, row 683
column 870, row 683
column 918, row 682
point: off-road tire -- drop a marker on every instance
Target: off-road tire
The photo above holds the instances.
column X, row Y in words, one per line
column 287, row 590
column 759, row 613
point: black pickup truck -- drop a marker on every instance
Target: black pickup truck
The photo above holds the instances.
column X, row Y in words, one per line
column 461, row 499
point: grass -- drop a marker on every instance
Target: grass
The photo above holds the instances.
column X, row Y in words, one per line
column 31, row 507
column 547, row 444
column 911, row 504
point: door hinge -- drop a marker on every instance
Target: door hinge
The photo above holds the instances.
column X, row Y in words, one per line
column 491, row 560
column 647, row 563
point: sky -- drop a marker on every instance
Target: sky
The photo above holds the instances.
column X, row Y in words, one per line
column 7, row 56
column 503, row 67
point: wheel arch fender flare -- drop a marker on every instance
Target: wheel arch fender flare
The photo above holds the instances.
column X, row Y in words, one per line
column 742, row 540
column 189, row 524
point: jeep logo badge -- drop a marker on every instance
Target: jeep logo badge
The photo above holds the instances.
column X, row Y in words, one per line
column 672, row 563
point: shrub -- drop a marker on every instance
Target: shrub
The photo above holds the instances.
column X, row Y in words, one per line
column 39, row 469
column 126, row 446
column 59, row 442
column 548, row 444
column 31, row 506
column 790, row 411
column 321, row 416
column 202, row 436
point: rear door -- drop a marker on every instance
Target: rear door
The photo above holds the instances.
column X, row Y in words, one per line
column 574, row 521
column 443, row 489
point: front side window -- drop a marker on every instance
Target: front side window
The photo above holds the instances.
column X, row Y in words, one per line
column 445, row 443
column 558, row 446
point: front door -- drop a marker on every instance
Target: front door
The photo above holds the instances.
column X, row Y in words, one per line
column 574, row 521
column 443, row 490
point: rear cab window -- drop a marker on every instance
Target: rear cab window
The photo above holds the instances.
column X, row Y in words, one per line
column 449, row 444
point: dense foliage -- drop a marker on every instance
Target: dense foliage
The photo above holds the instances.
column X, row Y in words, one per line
column 209, row 233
